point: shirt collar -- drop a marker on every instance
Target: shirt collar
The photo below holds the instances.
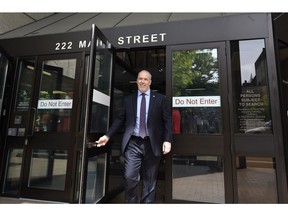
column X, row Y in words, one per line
column 147, row 92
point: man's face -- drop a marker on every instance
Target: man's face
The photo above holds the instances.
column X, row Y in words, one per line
column 144, row 81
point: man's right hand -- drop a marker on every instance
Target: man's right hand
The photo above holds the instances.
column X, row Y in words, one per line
column 102, row 141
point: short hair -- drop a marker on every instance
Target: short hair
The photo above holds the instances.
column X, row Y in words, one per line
column 145, row 72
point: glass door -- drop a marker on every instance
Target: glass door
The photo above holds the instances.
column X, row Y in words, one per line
column 3, row 75
column 200, row 158
column 4, row 62
column 97, row 94
column 42, row 128
column 224, row 149
column 256, row 156
column 61, row 103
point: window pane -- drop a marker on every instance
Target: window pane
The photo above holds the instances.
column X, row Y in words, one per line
column 196, row 93
column 101, row 89
column 27, row 73
column 56, row 96
column 48, row 169
column 198, row 178
column 96, row 177
column 250, row 82
column 256, row 180
column 13, row 171
column 3, row 74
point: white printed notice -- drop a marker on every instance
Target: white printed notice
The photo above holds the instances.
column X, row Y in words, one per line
column 55, row 104
column 197, row 101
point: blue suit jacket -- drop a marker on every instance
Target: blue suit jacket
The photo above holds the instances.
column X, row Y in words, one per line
column 159, row 122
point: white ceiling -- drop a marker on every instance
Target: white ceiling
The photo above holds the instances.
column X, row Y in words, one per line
column 10, row 21
column 28, row 24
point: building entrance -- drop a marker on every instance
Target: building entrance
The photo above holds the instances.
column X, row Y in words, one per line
column 219, row 110
column 222, row 88
column 40, row 134
column 127, row 65
column 59, row 104
column 218, row 114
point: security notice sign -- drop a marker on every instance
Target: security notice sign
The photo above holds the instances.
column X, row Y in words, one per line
column 252, row 108
column 197, row 101
column 55, row 104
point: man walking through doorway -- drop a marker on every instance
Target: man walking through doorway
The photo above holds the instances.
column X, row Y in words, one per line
column 147, row 135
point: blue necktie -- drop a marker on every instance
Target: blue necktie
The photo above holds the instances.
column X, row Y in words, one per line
column 142, row 129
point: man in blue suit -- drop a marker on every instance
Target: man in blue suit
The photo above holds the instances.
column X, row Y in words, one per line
column 142, row 152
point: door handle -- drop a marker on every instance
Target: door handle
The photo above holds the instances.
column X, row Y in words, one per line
column 31, row 125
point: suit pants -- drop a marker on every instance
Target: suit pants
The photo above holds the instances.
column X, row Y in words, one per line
column 140, row 161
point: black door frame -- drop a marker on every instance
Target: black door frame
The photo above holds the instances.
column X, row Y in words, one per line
column 4, row 110
column 204, row 144
column 37, row 193
column 80, row 47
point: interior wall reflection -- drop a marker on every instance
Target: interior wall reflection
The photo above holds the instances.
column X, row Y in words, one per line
column 196, row 93
column 250, row 92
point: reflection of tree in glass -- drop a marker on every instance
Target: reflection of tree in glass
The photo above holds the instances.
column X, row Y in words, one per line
column 194, row 69
column 25, row 95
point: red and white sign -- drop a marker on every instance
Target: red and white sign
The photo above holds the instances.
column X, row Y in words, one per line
column 197, row 101
column 55, row 104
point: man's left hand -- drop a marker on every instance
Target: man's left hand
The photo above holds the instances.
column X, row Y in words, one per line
column 166, row 148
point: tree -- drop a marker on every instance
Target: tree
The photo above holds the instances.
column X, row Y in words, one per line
column 194, row 69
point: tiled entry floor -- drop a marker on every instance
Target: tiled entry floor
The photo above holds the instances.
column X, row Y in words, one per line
column 254, row 186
